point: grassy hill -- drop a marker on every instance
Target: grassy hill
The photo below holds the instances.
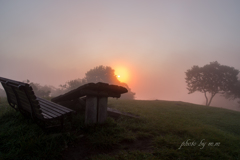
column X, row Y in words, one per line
column 165, row 130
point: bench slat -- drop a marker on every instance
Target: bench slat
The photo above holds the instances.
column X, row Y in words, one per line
column 25, row 105
column 30, row 94
column 25, row 99
column 51, row 115
column 2, row 79
column 45, row 116
column 44, row 106
column 8, row 88
column 52, row 110
column 22, row 99
column 12, row 99
column 54, row 105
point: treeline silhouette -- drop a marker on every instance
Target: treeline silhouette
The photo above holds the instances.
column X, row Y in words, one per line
column 98, row 74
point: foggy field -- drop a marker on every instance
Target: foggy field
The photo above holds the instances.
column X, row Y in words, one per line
column 174, row 58
column 165, row 130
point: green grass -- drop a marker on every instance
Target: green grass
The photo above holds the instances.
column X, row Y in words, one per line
column 21, row 138
column 158, row 134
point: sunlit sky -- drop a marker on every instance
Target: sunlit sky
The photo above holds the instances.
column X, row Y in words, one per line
column 154, row 41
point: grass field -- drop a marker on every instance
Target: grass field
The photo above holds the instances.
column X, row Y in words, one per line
column 165, row 130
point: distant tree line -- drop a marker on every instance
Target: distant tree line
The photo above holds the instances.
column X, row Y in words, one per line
column 98, row 74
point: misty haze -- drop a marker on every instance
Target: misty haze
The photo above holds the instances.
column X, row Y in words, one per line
column 128, row 79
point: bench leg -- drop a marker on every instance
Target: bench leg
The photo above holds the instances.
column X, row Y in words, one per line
column 102, row 109
column 91, row 110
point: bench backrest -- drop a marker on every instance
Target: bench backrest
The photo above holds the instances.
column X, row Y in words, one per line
column 21, row 97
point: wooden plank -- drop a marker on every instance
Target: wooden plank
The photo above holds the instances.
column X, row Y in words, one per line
column 54, row 105
column 29, row 101
column 28, row 93
column 46, row 107
column 8, row 90
column 25, row 99
column 91, row 110
column 12, row 98
column 2, row 79
column 102, row 109
column 19, row 92
column 45, row 116
column 11, row 94
column 12, row 84
column 92, row 89
column 22, row 97
column 24, row 103
column 27, row 106
column 55, row 108
column 51, row 113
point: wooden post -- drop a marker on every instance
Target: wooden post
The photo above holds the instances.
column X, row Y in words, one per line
column 91, row 110
column 102, row 109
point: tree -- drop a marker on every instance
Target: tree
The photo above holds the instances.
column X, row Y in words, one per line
column 107, row 74
column 212, row 79
column 98, row 74
column 40, row 91
column 73, row 84
column 234, row 93
column 129, row 94
column 102, row 74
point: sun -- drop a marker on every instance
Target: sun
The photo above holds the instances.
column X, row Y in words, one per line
column 122, row 74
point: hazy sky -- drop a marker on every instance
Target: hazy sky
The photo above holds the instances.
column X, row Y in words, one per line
column 156, row 41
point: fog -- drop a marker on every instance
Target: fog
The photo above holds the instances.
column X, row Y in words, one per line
column 52, row 42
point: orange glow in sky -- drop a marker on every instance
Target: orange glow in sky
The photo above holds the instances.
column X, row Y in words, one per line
column 122, row 74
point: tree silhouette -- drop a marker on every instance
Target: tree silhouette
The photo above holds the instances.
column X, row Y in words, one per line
column 98, row 74
column 73, row 84
column 212, row 79
column 107, row 74
column 102, row 74
column 234, row 93
column 40, row 91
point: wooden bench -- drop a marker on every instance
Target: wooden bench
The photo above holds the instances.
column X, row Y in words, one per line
column 21, row 97
column 96, row 99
